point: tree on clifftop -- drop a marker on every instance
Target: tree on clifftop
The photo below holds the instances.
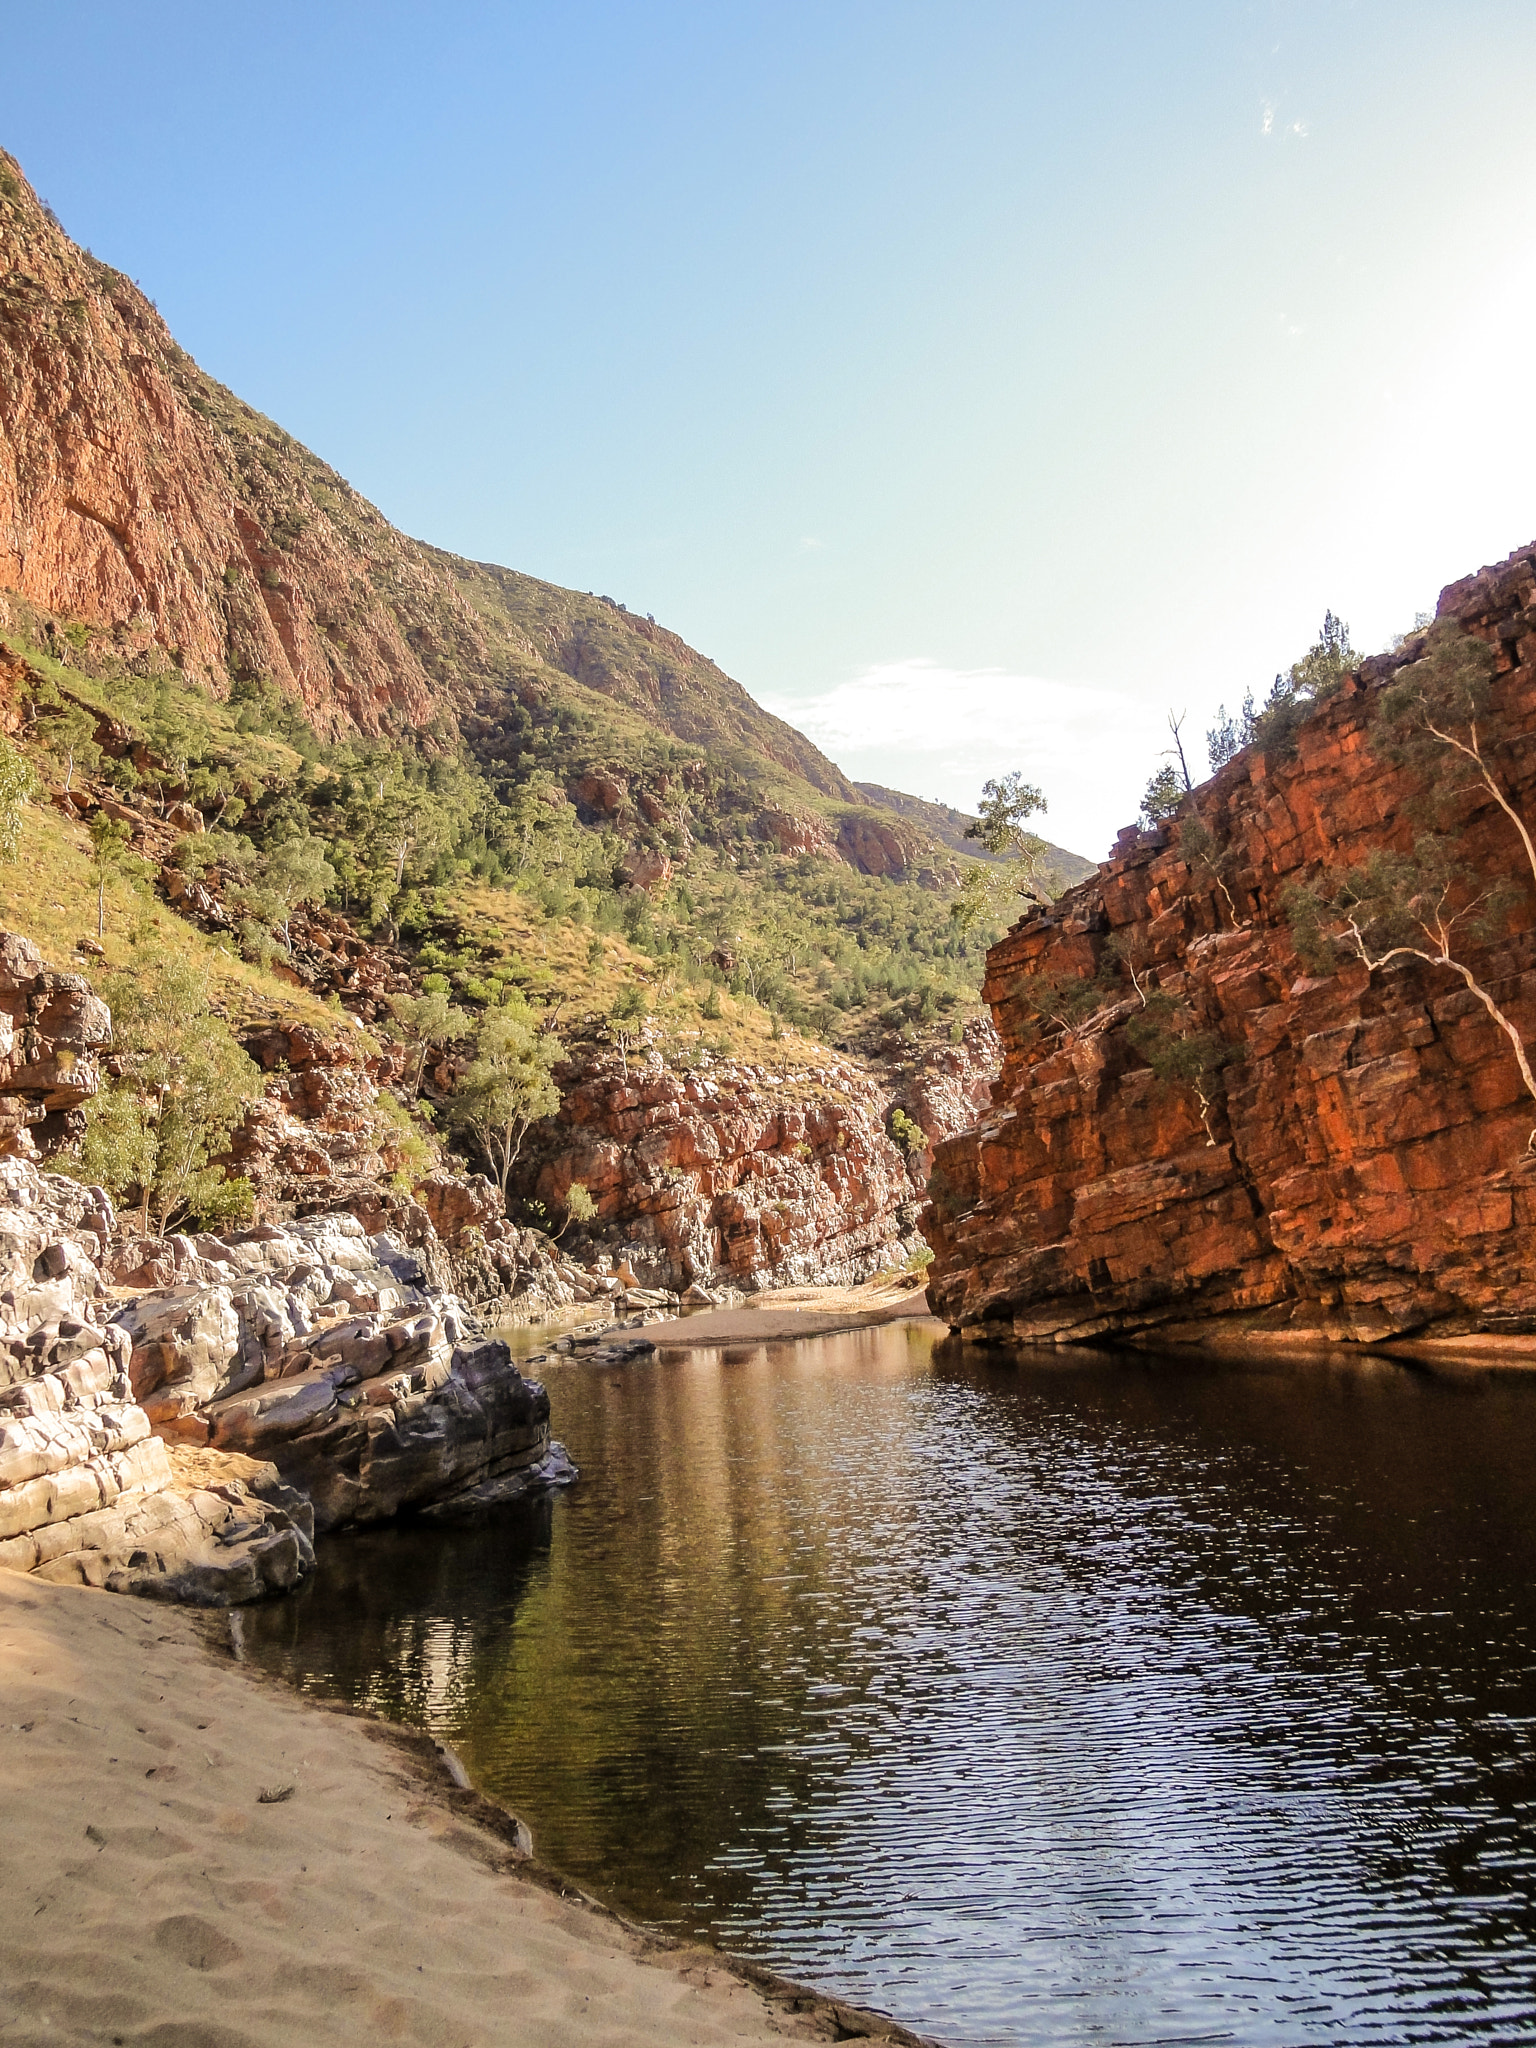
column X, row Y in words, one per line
column 988, row 888
column 1293, row 697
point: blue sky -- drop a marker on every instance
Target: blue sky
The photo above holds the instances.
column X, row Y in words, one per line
column 973, row 381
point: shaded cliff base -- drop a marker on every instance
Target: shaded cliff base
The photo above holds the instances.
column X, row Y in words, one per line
column 1232, row 1337
column 156, row 1894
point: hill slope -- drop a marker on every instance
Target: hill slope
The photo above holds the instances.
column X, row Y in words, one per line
column 946, row 825
column 139, row 495
column 260, row 650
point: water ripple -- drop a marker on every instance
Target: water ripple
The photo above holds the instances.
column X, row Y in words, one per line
column 1118, row 1701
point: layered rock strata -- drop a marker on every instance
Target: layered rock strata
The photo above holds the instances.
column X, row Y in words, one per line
column 189, row 1440
column 326, row 1353
column 88, row 1493
column 1362, row 1174
column 733, row 1175
column 177, row 1415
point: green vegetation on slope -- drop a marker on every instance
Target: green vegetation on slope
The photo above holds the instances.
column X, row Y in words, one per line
column 487, row 872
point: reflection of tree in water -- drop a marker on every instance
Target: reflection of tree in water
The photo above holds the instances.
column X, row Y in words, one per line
column 395, row 1619
column 652, row 1701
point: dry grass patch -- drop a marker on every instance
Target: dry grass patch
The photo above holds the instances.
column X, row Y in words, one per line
column 49, row 896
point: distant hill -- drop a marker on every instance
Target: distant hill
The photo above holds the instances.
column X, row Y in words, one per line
column 507, row 775
column 947, row 825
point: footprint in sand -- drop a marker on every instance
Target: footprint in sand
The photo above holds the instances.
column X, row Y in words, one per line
column 196, row 1942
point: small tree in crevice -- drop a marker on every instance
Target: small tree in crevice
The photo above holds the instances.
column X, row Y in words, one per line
column 625, row 1018
column 1413, row 906
column 1207, row 858
column 1162, row 795
column 1438, row 714
column 1170, row 784
column 1179, row 1053
column 579, row 1207
column 427, row 1021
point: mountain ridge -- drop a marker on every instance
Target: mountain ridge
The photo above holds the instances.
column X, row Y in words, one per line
column 949, row 827
column 140, row 495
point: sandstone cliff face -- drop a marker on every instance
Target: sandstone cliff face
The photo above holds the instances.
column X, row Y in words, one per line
column 1369, row 1177
column 732, row 1174
column 949, row 1087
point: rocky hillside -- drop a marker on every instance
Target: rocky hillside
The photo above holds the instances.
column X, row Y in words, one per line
column 1217, row 1118
column 513, row 794
column 944, row 824
column 141, row 498
column 255, row 641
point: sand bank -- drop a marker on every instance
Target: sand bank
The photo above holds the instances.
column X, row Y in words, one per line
column 787, row 1313
column 152, row 1895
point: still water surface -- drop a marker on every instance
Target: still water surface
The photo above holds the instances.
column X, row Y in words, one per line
column 1103, row 1699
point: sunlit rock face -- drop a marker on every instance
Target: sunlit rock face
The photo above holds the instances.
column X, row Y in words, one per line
column 732, row 1174
column 1366, row 1174
column 178, row 1414
column 51, row 1030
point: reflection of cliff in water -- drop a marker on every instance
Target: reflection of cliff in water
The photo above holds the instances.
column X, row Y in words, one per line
column 1028, row 1696
column 409, row 1614
column 1401, row 1497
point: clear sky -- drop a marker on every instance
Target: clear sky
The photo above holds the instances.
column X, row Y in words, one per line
column 973, row 380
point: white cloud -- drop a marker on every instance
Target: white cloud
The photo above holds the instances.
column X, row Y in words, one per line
column 941, row 732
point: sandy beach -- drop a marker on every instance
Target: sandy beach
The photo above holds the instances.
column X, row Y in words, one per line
column 782, row 1314
column 195, row 1856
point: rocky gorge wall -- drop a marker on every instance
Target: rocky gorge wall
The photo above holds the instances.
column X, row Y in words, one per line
column 734, row 1175
column 179, row 1415
column 1366, row 1177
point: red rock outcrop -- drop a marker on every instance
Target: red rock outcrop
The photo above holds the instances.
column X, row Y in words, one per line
column 730, row 1173
column 949, row 1086
column 51, row 1029
column 127, row 501
column 795, row 831
column 1366, row 1175
column 645, row 867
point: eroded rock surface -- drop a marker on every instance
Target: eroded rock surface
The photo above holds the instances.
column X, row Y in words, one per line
column 51, row 1029
column 178, row 1414
column 1366, row 1176
column 733, row 1176
column 189, row 1440
column 88, row 1493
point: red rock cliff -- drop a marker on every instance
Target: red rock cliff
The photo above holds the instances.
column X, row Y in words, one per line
column 1367, row 1176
